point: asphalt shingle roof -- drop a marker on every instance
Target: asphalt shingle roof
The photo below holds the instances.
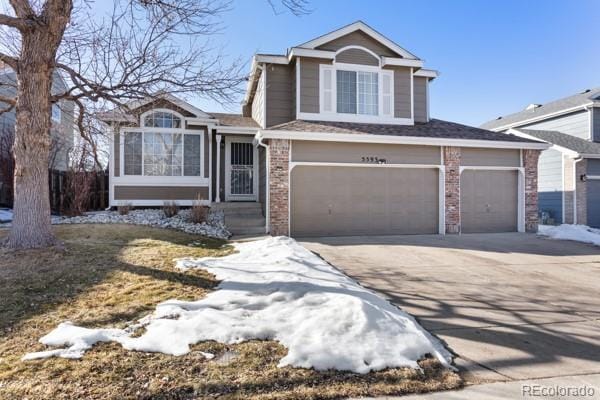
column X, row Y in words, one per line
column 549, row 108
column 576, row 144
column 435, row 128
column 235, row 120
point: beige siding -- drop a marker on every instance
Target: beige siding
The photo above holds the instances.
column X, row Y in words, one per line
column 117, row 153
column 358, row 38
column 363, row 201
column 488, row 201
column 309, row 84
column 356, row 56
column 294, row 105
column 420, row 98
column 490, row 157
column 402, row 102
column 160, row 192
column 258, row 102
column 279, row 94
column 310, row 151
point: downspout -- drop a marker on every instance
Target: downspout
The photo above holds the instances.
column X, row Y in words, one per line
column 259, row 141
column 575, row 189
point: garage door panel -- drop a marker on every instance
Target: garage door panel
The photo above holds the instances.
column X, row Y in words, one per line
column 488, row 201
column 363, row 200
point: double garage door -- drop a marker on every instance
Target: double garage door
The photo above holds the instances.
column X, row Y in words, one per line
column 340, row 200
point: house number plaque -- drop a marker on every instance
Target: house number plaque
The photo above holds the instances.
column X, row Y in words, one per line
column 373, row 160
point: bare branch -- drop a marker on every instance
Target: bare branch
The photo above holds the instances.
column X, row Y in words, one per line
column 18, row 23
column 8, row 100
column 8, row 60
column 22, row 8
column 296, row 7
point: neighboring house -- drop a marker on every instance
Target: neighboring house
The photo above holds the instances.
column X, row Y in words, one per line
column 335, row 139
column 569, row 172
column 62, row 130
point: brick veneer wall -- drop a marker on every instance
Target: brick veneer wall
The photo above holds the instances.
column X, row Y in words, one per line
column 530, row 165
column 568, row 189
column 452, row 177
column 279, row 189
column 581, row 192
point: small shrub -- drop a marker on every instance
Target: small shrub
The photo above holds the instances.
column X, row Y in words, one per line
column 124, row 208
column 170, row 208
column 199, row 212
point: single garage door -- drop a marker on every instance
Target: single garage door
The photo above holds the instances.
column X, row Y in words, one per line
column 488, row 201
column 336, row 201
column 593, row 202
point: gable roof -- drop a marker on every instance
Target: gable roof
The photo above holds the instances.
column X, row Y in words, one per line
column 561, row 106
column 175, row 100
column 358, row 26
column 236, row 120
column 573, row 143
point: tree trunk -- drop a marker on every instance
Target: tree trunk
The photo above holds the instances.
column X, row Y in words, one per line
column 31, row 226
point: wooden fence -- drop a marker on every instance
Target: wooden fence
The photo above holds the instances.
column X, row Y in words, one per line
column 61, row 190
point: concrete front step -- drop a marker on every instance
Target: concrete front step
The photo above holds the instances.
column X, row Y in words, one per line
column 245, row 221
column 247, row 231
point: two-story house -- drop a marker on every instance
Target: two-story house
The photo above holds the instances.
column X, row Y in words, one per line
column 335, row 138
column 62, row 130
column 568, row 172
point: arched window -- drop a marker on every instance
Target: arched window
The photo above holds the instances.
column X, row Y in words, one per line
column 162, row 119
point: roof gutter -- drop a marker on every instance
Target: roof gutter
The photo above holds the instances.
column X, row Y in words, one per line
column 389, row 139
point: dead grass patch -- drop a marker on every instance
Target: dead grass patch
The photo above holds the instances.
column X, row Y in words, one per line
column 111, row 274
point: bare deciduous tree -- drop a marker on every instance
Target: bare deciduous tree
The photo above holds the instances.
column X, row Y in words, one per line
column 139, row 48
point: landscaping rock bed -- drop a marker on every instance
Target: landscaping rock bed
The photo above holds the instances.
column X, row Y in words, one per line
column 214, row 227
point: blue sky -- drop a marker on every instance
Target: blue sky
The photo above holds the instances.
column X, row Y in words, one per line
column 494, row 57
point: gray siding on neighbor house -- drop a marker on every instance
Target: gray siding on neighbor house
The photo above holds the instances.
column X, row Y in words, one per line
column 550, row 184
column 575, row 124
column 596, row 124
column 279, row 94
column 490, row 157
column 309, row 84
column 356, row 56
column 358, row 38
column 402, row 101
column 420, row 98
column 593, row 194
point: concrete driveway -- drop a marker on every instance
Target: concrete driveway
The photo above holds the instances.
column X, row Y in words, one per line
column 511, row 306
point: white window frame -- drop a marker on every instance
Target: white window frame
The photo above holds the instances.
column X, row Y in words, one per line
column 58, row 109
column 345, row 117
column 164, row 110
column 161, row 180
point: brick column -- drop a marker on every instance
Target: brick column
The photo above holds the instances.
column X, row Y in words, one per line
column 530, row 164
column 452, row 188
column 279, row 165
column 581, row 192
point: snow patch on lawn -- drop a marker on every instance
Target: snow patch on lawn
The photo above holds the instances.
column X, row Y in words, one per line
column 275, row 289
column 5, row 215
column 578, row 233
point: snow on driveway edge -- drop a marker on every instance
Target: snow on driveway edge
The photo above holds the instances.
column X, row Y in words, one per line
column 274, row 289
column 578, row 233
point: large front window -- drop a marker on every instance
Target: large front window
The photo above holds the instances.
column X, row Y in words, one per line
column 162, row 154
column 357, row 92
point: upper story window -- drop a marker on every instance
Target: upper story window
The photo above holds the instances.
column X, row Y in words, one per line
column 357, row 92
column 162, row 119
column 56, row 112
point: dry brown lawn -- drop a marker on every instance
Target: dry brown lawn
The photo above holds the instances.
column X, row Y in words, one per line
column 109, row 275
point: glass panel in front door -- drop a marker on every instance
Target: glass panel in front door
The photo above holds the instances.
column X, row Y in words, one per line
column 242, row 168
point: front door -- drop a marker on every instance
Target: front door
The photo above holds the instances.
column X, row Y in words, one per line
column 241, row 169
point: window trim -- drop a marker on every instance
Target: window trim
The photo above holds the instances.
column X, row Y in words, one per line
column 165, row 110
column 183, row 180
column 345, row 117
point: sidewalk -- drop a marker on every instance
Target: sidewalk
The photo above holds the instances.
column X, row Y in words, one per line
column 515, row 390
